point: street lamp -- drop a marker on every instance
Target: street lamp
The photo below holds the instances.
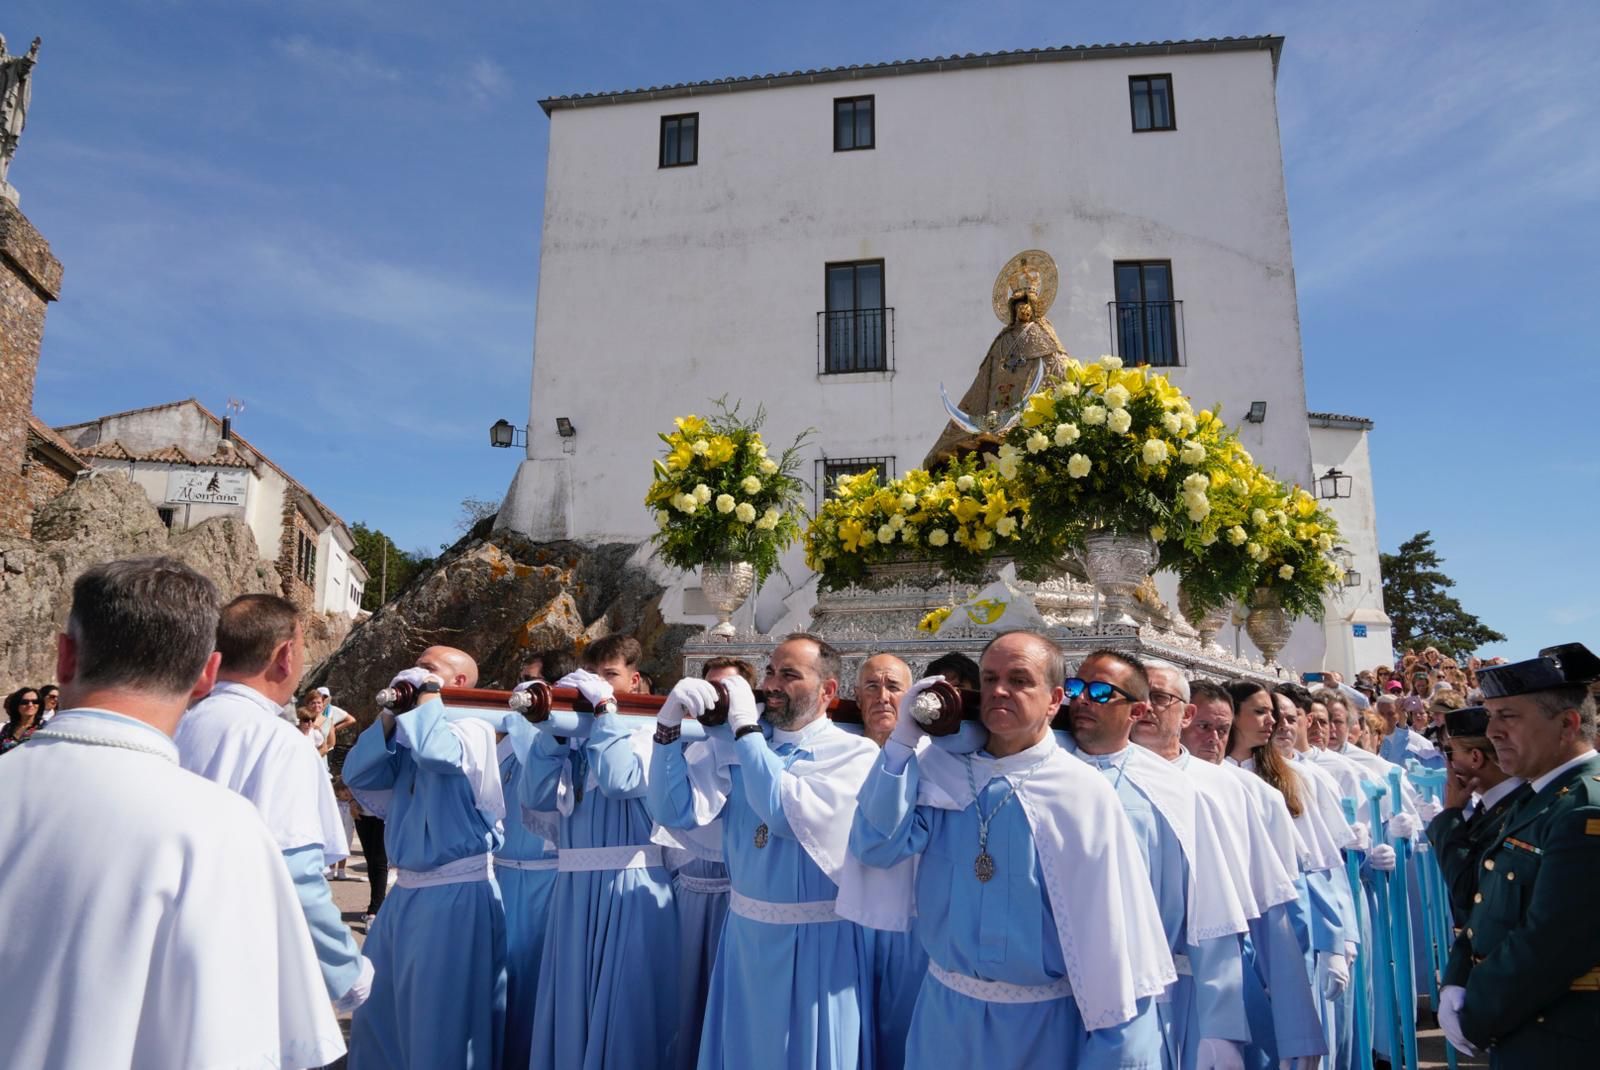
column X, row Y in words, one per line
column 502, row 435
column 1334, row 484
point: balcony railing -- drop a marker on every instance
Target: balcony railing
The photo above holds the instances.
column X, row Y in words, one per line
column 1148, row 332
column 855, row 340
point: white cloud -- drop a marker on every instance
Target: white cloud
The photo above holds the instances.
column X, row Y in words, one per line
column 487, row 80
column 349, row 65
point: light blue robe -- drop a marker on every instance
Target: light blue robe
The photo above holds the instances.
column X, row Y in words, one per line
column 527, row 900
column 899, row 966
column 607, row 983
column 1003, row 930
column 701, row 917
column 439, row 991
column 782, row 996
column 1216, row 975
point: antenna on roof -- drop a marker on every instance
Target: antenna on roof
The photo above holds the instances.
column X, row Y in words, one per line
column 235, row 406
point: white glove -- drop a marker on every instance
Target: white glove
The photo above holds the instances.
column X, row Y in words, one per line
column 742, row 709
column 1451, row 999
column 1351, row 949
column 1218, row 1054
column 691, row 695
column 417, row 677
column 528, row 685
column 1427, row 809
column 1335, row 974
column 1403, row 826
column 907, row 729
column 1381, row 858
column 1363, row 836
column 596, row 691
column 347, row 1003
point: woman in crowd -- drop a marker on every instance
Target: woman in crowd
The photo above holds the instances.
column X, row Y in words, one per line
column 22, row 718
column 49, row 700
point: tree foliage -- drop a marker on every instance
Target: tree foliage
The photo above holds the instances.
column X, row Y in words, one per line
column 1421, row 613
column 474, row 511
column 372, row 546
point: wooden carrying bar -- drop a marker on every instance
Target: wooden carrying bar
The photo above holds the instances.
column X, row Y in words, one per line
column 842, row 710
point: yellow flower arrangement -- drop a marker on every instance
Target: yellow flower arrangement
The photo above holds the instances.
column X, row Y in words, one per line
column 957, row 517
column 718, row 496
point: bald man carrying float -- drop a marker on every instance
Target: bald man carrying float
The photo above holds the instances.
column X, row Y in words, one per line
column 439, row 943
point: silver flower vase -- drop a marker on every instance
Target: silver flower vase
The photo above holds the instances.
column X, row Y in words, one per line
column 726, row 584
column 1207, row 622
column 1117, row 565
column 1267, row 625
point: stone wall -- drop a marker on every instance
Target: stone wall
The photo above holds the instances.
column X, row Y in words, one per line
column 43, row 483
column 30, row 278
column 102, row 519
column 295, row 524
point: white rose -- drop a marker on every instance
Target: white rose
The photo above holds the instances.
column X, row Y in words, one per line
column 1188, row 424
column 1119, row 421
column 1078, row 466
column 908, row 502
column 1007, row 467
column 750, row 485
column 1196, row 484
column 1117, row 397
column 1172, row 422
column 700, row 447
column 965, row 483
column 1255, row 551
column 1199, row 507
column 1067, row 434
column 689, row 506
column 1192, row 453
column 1094, row 415
column 1237, row 536
column 745, row 512
column 1005, row 526
column 1111, row 363
column 1154, row 451
column 1067, row 390
column 1286, row 572
column 702, row 493
column 897, row 521
column 757, row 448
column 767, row 523
column 886, row 533
column 725, row 503
column 1158, row 533
column 938, row 537
column 767, row 466
column 1258, row 517
column 1038, row 441
column 772, row 513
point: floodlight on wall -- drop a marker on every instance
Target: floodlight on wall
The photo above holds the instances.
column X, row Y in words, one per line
column 503, row 436
column 564, row 427
column 1333, row 484
column 1257, row 413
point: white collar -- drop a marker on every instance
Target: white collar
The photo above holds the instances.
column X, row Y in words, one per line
column 1498, row 792
column 801, row 735
column 1020, row 761
column 245, row 691
column 1545, row 781
column 108, row 728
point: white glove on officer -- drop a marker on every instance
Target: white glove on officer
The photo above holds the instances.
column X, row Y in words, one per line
column 347, row 1003
column 1404, row 826
column 1335, row 974
column 690, row 696
column 1381, row 858
column 907, row 729
column 596, row 690
column 1363, row 836
column 1427, row 809
column 1451, row 999
column 1218, row 1054
column 742, row 709
column 416, row 677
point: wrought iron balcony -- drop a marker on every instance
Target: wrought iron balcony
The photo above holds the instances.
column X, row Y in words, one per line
column 1148, row 332
column 855, row 340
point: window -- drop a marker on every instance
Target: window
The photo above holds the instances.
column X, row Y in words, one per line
column 853, row 328
column 829, row 470
column 1151, row 95
column 167, row 515
column 1148, row 321
column 680, row 140
column 852, row 124
column 305, row 558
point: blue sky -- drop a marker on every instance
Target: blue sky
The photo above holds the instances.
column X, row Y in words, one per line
column 330, row 209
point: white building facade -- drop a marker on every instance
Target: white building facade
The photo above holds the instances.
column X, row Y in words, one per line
column 192, row 466
column 1356, row 627
column 824, row 243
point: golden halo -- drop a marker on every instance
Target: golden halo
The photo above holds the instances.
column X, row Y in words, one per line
column 1038, row 262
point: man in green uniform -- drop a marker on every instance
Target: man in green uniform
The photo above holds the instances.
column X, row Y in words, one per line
column 1477, row 797
column 1523, row 979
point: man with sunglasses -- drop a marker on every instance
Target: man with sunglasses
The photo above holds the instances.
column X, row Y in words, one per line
column 1014, row 841
column 1202, row 1019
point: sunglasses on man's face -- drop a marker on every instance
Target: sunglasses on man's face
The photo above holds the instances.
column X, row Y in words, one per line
column 1098, row 691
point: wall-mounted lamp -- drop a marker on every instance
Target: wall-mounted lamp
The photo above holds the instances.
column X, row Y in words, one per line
column 503, row 436
column 1257, row 413
column 1334, row 484
column 564, row 427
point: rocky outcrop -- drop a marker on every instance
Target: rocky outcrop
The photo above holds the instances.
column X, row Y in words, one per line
column 501, row 597
column 103, row 519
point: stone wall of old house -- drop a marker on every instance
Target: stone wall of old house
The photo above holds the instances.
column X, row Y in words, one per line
column 43, row 483
column 295, row 525
column 30, row 278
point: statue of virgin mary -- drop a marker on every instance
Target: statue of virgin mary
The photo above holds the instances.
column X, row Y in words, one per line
column 1025, row 356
